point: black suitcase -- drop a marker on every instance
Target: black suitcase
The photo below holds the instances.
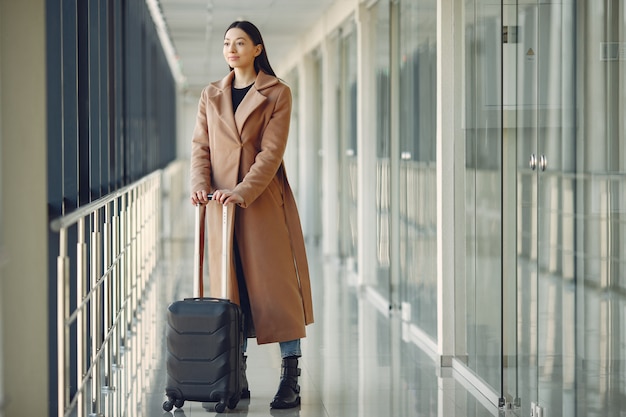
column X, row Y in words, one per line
column 204, row 341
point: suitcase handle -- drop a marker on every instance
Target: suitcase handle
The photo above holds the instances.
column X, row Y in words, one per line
column 204, row 299
column 198, row 284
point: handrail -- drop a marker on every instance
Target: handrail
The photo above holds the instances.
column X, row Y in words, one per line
column 72, row 218
column 101, row 337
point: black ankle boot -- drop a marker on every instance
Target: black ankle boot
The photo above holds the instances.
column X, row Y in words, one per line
column 245, row 391
column 288, row 395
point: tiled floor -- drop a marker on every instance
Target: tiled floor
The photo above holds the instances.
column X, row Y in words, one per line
column 354, row 363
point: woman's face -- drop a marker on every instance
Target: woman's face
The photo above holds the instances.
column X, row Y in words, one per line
column 239, row 50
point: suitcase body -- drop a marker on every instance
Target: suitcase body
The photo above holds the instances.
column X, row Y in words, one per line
column 204, row 338
column 204, row 342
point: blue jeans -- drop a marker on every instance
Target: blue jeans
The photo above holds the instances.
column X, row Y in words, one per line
column 291, row 348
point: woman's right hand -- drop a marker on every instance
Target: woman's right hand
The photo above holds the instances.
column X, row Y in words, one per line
column 199, row 197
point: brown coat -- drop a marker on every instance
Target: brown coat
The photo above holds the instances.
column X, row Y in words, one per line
column 244, row 152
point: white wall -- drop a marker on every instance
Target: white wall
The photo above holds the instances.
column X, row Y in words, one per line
column 24, row 279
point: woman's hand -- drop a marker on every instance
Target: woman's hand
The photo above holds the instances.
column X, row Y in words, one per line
column 227, row 197
column 199, row 197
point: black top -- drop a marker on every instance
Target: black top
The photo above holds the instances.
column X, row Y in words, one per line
column 239, row 94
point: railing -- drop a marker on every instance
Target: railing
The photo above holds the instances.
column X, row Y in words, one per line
column 102, row 337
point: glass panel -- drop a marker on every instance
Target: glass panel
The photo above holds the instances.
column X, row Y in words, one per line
column 348, row 148
column 571, row 107
column 597, row 231
column 563, row 106
column 309, row 193
column 524, row 72
column 381, row 15
column 481, row 332
column 581, row 210
column 418, row 218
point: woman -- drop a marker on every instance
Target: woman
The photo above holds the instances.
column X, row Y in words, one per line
column 237, row 150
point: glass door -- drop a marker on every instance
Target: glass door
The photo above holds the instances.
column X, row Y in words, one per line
column 542, row 45
column 556, row 176
column 565, row 109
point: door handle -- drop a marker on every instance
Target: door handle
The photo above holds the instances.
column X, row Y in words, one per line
column 532, row 162
column 543, row 162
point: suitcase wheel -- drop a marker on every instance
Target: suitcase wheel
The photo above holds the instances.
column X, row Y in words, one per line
column 220, row 407
column 168, row 405
column 173, row 402
column 232, row 404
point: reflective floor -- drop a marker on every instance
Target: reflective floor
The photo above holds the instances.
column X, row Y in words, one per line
column 354, row 362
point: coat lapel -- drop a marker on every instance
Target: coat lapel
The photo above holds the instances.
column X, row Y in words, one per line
column 222, row 102
column 253, row 99
column 250, row 102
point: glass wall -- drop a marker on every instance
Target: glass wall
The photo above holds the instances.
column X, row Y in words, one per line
column 380, row 15
column 570, row 79
column 541, row 307
column 545, row 185
column 111, row 99
column 480, row 333
column 348, row 181
column 305, row 136
column 417, row 105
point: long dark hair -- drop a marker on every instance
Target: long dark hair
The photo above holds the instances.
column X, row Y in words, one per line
column 261, row 62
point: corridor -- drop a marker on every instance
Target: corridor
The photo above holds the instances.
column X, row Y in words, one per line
column 459, row 168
